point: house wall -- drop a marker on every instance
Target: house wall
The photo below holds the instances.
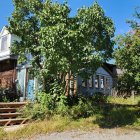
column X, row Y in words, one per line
column 88, row 89
column 10, row 39
column 7, row 51
column 21, row 77
column 70, row 84
column 27, row 83
column 7, row 73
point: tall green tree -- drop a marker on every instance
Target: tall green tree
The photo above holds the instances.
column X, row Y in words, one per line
column 128, row 56
column 58, row 43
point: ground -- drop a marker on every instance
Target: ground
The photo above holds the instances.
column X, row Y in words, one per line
column 102, row 134
column 118, row 119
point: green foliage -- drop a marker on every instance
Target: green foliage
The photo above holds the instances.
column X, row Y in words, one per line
column 59, row 43
column 99, row 97
column 117, row 117
column 124, row 84
column 133, row 100
column 46, row 100
column 62, row 107
column 2, row 133
column 8, row 95
column 83, row 108
column 139, row 103
column 47, row 105
column 42, row 107
column 127, row 58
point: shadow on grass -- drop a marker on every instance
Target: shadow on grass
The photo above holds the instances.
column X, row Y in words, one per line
column 117, row 116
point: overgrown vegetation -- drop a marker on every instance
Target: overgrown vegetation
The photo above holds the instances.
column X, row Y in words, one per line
column 109, row 111
column 58, row 43
column 46, row 106
column 128, row 58
column 84, row 114
column 8, row 95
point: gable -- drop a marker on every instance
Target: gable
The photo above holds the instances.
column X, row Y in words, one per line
column 4, row 31
column 102, row 71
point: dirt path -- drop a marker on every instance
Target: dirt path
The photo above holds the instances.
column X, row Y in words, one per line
column 107, row 134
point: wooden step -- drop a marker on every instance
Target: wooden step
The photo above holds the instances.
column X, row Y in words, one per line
column 6, row 122
column 8, row 110
column 12, row 104
column 9, row 115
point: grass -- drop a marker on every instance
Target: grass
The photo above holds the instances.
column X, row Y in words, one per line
column 56, row 124
column 120, row 113
column 120, row 100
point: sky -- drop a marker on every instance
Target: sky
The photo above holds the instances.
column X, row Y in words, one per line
column 118, row 10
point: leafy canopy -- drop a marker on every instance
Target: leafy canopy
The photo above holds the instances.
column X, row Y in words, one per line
column 58, row 42
column 128, row 55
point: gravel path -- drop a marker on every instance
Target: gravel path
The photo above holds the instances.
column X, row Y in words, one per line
column 107, row 134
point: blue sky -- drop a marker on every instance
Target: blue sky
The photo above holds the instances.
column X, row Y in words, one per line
column 118, row 10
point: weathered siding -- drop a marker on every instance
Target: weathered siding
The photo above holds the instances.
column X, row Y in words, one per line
column 4, row 33
column 91, row 90
column 21, row 76
column 7, row 73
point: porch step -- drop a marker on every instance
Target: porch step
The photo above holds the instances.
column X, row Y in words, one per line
column 8, row 110
column 9, row 115
column 12, row 104
column 6, row 122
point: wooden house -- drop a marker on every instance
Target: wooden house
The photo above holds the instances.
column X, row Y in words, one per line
column 8, row 61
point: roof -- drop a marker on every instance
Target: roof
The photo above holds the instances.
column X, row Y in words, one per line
column 110, row 68
column 113, row 69
column 3, row 29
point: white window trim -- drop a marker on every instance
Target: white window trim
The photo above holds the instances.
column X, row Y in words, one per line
column 8, row 39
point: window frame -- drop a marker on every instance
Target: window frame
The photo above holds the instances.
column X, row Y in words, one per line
column 5, row 48
column 102, row 82
column 97, row 78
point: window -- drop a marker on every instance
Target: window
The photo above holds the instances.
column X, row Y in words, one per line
column 102, row 82
column 72, row 84
column 97, row 81
column 107, row 83
column 4, row 43
column 89, row 82
column 84, row 83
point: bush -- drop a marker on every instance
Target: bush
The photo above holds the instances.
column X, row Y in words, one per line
column 82, row 109
column 99, row 97
column 139, row 103
column 77, row 107
column 8, row 95
column 46, row 105
column 42, row 107
column 35, row 111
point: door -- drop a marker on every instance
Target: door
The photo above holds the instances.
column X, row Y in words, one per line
column 30, row 89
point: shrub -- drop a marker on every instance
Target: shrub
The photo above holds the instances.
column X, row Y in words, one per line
column 62, row 106
column 81, row 107
column 45, row 100
column 42, row 107
column 46, row 105
column 139, row 103
column 99, row 97
column 36, row 111
column 8, row 95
